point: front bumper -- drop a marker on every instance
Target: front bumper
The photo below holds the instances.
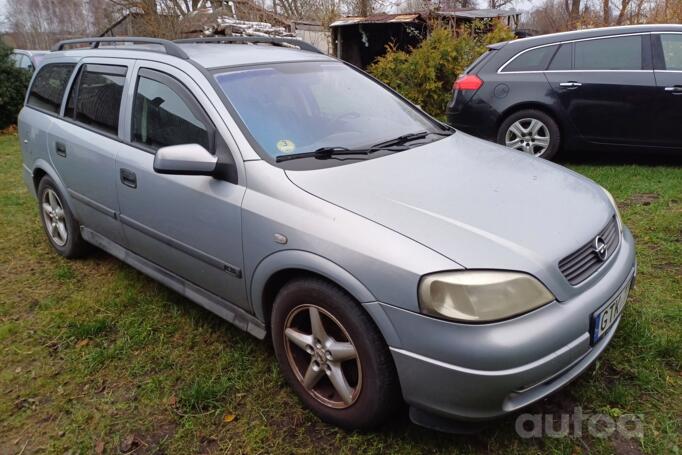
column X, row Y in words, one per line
column 478, row 372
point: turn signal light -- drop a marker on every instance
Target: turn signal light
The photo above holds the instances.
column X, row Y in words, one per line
column 468, row 82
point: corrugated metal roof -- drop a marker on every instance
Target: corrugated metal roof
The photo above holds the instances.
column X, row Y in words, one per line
column 377, row 19
column 479, row 13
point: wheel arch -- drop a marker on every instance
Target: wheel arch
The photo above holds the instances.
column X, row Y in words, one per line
column 522, row 106
column 276, row 270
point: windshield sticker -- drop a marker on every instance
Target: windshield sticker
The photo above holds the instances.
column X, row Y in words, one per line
column 286, row 146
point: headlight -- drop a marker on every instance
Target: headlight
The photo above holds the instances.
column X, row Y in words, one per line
column 480, row 296
column 615, row 208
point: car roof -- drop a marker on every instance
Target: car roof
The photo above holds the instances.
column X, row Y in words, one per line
column 207, row 55
column 539, row 40
column 30, row 52
column 210, row 55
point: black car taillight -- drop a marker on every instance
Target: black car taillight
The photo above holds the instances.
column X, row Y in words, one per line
column 468, row 82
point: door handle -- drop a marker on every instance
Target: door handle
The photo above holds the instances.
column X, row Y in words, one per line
column 128, row 178
column 570, row 84
column 60, row 149
column 675, row 89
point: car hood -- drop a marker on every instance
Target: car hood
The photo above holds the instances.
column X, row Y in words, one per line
column 477, row 203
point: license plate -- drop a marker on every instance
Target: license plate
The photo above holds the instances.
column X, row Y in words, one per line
column 606, row 316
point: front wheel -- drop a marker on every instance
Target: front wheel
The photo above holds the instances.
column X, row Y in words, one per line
column 332, row 355
column 530, row 131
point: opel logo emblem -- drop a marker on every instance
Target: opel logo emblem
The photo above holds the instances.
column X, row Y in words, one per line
column 600, row 248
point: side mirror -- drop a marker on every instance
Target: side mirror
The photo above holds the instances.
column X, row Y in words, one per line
column 185, row 159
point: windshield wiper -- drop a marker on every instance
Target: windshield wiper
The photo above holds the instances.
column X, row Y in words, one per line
column 323, row 153
column 396, row 145
column 405, row 138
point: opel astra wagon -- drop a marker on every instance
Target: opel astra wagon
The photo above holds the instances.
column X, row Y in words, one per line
column 615, row 87
column 388, row 257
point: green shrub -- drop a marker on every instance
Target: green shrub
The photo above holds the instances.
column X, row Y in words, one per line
column 13, row 85
column 426, row 73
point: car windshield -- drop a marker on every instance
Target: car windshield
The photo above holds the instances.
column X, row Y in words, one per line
column 292, row 108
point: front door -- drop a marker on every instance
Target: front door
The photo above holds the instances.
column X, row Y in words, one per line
column 668, row 61
column 609, row 92
column 188, row 224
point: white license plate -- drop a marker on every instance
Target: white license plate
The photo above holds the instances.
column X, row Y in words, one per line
column 606, row 316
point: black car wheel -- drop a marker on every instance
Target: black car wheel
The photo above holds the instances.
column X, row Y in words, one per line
column 61, row 227
column 332, row 354
column 530, row 131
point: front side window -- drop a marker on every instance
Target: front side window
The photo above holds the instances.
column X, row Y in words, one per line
column 163, row 115
column 672, row 51
column 292, row 108
column 619, row 53
column 49, row 86
column 95, row 98
column 532, row 60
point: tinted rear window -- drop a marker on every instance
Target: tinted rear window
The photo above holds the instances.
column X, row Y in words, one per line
column 479, row 61
column 672, row 51
column 532, row 60
column 619, row 53
column 562, row 59
column 49, row 86
column 97, row 93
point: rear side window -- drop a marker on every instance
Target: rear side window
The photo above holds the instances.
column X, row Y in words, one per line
column 672, row 51
column 165, row 113
column 562, row 59
column 620, row 53
column 49, row 86
column 532, row 60
column 95, row 99
column 479, row 61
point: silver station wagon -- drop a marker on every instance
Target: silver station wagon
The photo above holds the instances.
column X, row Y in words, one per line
column 389, row 257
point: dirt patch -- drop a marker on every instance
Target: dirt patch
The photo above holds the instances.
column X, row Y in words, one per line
column 640, row 199
column 624, row 446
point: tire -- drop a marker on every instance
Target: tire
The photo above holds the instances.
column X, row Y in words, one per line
column 73, row 245
column 373, row 389
column 527, row 137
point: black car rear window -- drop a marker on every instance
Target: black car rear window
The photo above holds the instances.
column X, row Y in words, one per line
column 531, row 60
column 562, row 59
column 479, row 61
column 49, row 85
column 618, row 53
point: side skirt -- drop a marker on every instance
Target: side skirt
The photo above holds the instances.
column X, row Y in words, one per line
column 221, row 307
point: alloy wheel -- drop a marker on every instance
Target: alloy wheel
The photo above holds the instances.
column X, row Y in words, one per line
column 53, row 215
column 528, row 135
column 322, row 356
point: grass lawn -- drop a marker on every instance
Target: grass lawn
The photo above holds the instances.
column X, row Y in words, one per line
column 97, row 358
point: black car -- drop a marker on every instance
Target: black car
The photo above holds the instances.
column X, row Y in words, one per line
column 617, row 86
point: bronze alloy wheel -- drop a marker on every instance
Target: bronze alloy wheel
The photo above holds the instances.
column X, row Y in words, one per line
column 322, row 356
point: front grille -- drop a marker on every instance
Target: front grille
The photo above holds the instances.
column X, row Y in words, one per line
column 582, row 263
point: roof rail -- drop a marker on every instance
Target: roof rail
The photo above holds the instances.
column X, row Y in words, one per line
column 274, row 40
column 170, row 47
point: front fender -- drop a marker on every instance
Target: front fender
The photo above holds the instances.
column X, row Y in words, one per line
column 302, row 260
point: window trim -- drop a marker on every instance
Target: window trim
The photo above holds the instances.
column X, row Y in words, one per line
column 67, row 87
column 184, row 93
column 500, row 70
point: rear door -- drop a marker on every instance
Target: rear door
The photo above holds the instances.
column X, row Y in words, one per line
column 83, row 146
column 668, row 64
column 608, row 93
column 188, row 224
